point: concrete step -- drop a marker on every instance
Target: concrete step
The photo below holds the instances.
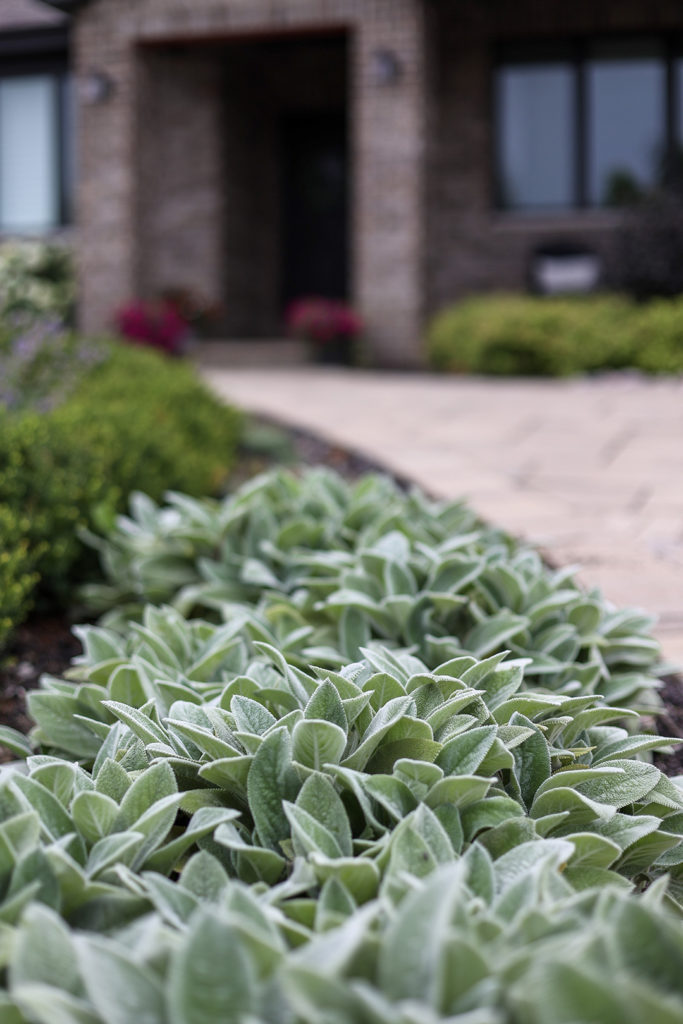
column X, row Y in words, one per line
column 257, row 352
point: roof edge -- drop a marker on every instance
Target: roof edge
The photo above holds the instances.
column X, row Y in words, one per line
column 67, row 6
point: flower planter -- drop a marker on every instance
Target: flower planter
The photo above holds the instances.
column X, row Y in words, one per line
column 335, row 352
column 328, row 326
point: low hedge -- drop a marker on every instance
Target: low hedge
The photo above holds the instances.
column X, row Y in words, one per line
column 17, row 578
column 516, row 334
column 211, row 826
column 136, row 421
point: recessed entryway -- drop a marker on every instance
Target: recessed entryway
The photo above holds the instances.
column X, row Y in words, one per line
column 315, row 187
column 243, row 144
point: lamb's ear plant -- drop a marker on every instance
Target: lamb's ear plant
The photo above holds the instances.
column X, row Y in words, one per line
column 367, row 561
column 351, row 770
column 477, row 942
column 65, row 834
column 396, row 775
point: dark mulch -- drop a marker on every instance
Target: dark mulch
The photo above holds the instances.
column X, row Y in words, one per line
column 671, row 724
column 311, row 450
column 45, row 643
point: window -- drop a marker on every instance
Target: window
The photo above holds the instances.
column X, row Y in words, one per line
column 29, row 190
column 536, row 117
column 626, row 120
column 588, row 124
column 35, row 133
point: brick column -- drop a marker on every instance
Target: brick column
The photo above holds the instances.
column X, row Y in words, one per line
column 180, row 174
column 389, row 155
column 106, row 169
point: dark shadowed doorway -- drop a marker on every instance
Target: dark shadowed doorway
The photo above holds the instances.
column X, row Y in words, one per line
column 315, row 205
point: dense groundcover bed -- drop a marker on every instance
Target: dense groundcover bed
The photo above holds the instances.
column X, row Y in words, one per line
column 557, row 336
column 340, row 753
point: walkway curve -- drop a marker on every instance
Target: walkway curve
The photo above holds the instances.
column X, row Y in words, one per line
column 589, row 470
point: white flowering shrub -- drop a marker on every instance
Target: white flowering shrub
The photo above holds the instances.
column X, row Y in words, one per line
column 36, row 279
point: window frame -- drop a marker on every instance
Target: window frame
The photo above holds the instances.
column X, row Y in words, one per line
column 44, row 52
column 575, row 51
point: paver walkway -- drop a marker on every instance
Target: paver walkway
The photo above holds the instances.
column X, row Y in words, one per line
column 591, row 471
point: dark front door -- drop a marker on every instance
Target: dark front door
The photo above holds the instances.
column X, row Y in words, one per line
column 315, row 206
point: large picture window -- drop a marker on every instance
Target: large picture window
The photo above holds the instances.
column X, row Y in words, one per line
column 587, row 125
column 29, row 146
column 36, row 132
column 536, row 139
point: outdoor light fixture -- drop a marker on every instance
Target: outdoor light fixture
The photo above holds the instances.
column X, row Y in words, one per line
column 385, row 68
column 95, row 87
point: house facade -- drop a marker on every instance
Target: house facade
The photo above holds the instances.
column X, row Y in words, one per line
column 397, row 153
column 36, row 166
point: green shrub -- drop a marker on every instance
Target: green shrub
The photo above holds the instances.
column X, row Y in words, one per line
column 36, row 280
column 153, row 425
column 17, row 578
column 657, row 334
column 137, row 421
column 54, row 479
column 515, row 334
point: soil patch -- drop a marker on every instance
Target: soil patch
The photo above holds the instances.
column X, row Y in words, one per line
column 670, row 723
column 42, row 645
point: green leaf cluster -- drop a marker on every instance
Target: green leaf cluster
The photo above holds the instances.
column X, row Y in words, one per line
column 481, row 941
column 209, row 831
column 532, row 336
column 354, row 768
column 365, row 562
column 396, row 774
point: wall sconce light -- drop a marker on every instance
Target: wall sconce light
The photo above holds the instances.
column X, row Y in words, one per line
column 385, row 68
column 95, row 87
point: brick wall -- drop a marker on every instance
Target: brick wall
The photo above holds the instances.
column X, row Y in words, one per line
column 179, row 167
column 179, row 153
column 122, row 238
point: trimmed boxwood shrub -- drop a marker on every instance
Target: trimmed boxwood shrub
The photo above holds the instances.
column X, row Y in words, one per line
column 657, row 334
column 17, row 578
column 516, row 334
column 137, row 421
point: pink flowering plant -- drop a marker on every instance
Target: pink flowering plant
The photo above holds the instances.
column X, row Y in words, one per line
column 321, row 321
column 157, row 324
